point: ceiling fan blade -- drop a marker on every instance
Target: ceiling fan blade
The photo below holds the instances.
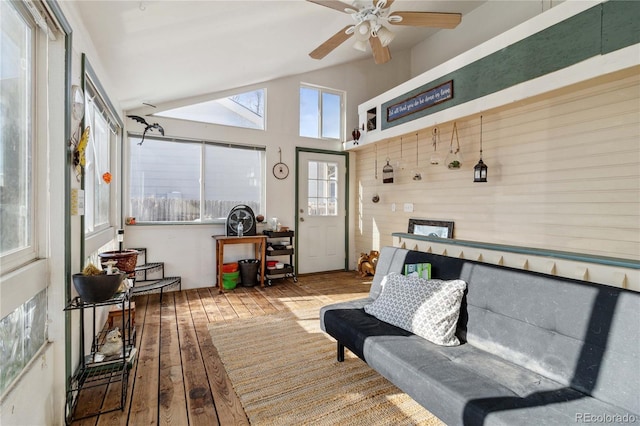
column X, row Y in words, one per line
column 381, row 54
column 333, row 4
column 428, row 19
column 334, row 41
column 386, row 6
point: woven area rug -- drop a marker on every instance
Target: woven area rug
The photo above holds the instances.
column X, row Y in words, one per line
column 285, row 372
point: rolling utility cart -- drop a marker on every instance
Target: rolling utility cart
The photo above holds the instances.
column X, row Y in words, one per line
column 281, row 247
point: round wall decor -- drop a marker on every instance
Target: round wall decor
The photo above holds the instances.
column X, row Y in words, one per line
column 280, row 170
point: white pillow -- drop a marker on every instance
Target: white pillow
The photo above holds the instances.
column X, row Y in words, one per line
column 427, row 308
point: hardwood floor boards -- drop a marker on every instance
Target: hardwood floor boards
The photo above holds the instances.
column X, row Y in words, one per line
column 178, row 378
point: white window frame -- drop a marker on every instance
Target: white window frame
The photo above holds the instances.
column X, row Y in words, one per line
column 199, row 112
column 133, row 140
column 321, row 90
column 96, row 236
column 25, row 273
column 21, row 256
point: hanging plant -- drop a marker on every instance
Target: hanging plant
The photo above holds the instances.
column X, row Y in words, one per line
column 417, row 175
column 435, row 139
column 454, row 158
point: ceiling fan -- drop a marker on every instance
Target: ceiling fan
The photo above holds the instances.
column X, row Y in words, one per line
column 370, row 20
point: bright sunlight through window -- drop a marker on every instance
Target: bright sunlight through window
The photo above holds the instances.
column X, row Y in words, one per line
column 320, row 113
column 243, row 110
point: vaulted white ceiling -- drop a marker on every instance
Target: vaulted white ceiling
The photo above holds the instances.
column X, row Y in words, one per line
column 162, row 50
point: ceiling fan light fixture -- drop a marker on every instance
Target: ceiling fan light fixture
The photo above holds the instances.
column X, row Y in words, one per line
column 385, row 35
column 362, row 31
column 360, row 45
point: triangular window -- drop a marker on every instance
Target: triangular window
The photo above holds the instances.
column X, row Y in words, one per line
column 243, row 110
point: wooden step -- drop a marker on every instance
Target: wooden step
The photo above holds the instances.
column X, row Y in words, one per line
column 156, row 286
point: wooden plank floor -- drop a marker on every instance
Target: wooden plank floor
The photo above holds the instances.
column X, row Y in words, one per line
column 178, row 378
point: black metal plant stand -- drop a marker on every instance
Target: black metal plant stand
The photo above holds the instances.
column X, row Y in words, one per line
column 108, row 375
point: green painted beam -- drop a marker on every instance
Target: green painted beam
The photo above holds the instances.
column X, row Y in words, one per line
column 604, row 28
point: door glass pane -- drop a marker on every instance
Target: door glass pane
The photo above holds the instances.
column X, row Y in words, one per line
column 313, row 170
column 322, row 196
column 322, row 188
column 313, row 188
column 16, row 93
column 332, row 207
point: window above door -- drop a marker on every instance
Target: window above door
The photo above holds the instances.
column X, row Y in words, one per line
column 321, row 112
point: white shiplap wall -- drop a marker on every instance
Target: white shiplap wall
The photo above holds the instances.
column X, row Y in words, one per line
column 564, row 174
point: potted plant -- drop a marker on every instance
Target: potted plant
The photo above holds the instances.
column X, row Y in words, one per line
column 126, row 260
column 95, row 285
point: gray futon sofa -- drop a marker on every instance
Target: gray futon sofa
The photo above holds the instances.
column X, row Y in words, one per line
column 535, row 349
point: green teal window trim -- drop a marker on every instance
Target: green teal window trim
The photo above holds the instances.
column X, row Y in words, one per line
column 601, row 29
column 577, row 257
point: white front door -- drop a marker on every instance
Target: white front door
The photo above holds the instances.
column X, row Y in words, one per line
column 321, row 212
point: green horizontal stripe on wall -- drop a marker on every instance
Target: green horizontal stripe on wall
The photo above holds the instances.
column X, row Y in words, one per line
column 601, row 29
column 620, row 24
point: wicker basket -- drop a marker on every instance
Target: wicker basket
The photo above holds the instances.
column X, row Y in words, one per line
column 127, row 259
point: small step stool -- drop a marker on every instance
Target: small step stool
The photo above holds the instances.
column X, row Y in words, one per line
column 115, row 315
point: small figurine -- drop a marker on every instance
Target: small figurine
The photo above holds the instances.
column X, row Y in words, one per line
column 112, row 343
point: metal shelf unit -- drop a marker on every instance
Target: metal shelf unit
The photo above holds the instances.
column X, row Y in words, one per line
column 108, row 375
column 288, row 271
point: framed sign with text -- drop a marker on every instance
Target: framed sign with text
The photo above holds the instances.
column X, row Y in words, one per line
column 421, row 101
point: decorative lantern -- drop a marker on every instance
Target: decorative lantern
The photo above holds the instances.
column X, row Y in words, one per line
column 480, row 169
column 387, row 172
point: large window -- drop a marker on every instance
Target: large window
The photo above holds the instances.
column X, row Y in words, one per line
column 16, row 154
column 242, row 110
column 101, row 171
column 23, row 279
column 193, row 181
column 321, row 112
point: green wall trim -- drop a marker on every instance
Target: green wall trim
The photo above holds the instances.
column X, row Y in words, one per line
column 577, row 257
column 345, row 154
column 601, row 29
column 620, row 24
